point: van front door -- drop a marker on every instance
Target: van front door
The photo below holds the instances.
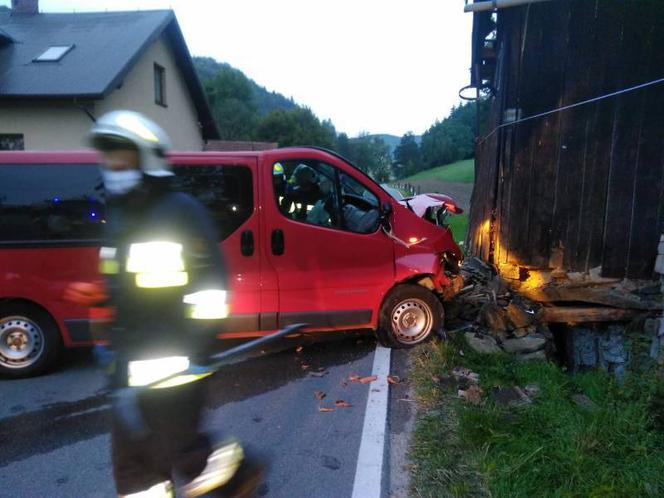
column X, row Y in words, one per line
column 332, row 262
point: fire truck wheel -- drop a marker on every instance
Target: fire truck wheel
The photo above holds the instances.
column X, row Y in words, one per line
column 410, row 315
column 29, row 340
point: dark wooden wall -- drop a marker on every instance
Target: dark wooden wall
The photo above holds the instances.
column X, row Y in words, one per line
column 584, row 187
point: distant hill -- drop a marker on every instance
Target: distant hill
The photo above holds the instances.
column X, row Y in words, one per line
column 393, row 141
column 264, row 100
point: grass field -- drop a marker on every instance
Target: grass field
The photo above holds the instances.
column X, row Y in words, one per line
column 459, row 225
column 460, row 171
column 550, row 448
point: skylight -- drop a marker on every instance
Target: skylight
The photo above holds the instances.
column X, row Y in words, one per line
column 54, row 53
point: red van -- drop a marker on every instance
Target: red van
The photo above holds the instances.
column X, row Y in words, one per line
column 307, row 238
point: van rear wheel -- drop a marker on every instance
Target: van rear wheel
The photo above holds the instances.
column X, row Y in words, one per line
column 409, row 316
column 29, row 340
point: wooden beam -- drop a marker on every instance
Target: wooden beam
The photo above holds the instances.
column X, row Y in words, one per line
column 577, row 314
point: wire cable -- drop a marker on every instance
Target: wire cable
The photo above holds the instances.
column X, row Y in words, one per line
column 571, row 106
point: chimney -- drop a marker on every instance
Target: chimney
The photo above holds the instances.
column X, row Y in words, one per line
column 25, row 6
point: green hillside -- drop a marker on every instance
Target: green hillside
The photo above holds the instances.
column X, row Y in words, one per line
column 460, row 171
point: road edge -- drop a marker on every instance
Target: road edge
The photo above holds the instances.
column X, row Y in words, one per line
column 369, row 470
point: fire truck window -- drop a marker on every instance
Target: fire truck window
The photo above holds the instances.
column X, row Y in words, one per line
column 51, row 202
column 226, row 191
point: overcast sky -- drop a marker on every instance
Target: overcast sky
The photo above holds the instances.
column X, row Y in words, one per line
column 380, row 66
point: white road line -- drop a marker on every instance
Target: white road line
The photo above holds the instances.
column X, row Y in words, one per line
column 369, row 471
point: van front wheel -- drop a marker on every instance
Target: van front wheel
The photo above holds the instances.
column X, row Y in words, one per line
column 29, row 340
column 410, row 315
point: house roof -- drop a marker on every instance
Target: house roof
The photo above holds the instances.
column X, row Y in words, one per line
column 106, row 46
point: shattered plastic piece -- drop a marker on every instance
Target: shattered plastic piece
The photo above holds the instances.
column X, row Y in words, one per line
column 354, row 378
column 325, row 409
column 319, row 395
column 299, row 349
column 340, row 403
column 322, row 373
column 393, row 379
column 369, row 378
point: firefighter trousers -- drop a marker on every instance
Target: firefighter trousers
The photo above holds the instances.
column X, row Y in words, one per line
column 174, row 443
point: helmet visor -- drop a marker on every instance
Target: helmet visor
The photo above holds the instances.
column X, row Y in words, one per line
column 109, row 143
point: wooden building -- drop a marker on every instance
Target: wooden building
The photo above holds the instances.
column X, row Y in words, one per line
column 581, row 188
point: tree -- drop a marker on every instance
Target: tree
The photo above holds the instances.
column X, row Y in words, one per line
column 372, row 155
column 297, row 126
column 231, row 101
column 407, row 155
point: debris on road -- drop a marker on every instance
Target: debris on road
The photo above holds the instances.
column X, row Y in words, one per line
column 319, row 373
column 340, row 403
column 320, row 395
column 299, row 349
column 325, row 409
column 393, row 379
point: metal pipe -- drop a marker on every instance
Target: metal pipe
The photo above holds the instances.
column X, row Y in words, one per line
column 497, row 4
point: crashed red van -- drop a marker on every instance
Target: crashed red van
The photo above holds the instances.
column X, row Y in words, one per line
column 307, row 238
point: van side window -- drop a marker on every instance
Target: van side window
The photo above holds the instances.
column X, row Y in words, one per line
column 319, row 194
column 226, row 191
column 51, row 202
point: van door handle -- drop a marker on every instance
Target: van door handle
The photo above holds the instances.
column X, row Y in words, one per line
column 277, row 242
column 247, row 243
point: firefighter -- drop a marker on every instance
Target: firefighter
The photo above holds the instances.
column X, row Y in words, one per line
column 167, row 283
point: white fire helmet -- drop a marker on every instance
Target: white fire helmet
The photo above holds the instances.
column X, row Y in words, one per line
column 128, row 129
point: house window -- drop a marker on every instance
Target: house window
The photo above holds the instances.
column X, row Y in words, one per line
column 53, row 53
column 12, row 142
column 159, row 85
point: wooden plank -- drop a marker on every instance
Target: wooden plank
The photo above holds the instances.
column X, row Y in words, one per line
column 633, row 57
column 577, row 314
column 646, row 225
column 607, row 73
column 574, row 128
column 550, row 68
column 603, row 296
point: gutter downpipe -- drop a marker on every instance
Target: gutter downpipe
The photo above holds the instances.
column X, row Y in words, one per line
column 497, row 4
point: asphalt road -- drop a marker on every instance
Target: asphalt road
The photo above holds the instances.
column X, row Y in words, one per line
column 54, row 429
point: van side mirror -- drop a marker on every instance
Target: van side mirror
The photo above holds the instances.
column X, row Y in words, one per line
column 385, row 212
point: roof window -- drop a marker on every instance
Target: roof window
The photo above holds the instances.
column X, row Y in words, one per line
column 54, row 53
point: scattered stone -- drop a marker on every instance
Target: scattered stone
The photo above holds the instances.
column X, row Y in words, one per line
column 584, row 402
column 527, row 344
column 534, row 356
column 510, row 396
column 483, row 344
column 492, row 316
column 462, row 373
column 472, row 395
column 518, row 316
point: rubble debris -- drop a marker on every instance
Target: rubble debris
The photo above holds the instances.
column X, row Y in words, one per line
column 325, row 409
column 320, row 373
column 319, row 395
column 519, row 317
column 483, row 344
column 492, row 316
column 532, row 390
column 367, row 379
column 340, row 403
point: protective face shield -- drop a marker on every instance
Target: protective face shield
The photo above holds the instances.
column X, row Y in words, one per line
column 128, row 130
column 121, row 182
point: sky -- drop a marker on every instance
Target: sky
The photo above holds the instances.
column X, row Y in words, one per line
column 376, row 66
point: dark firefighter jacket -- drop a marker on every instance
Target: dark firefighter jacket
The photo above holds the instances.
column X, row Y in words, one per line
column 146, row 231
